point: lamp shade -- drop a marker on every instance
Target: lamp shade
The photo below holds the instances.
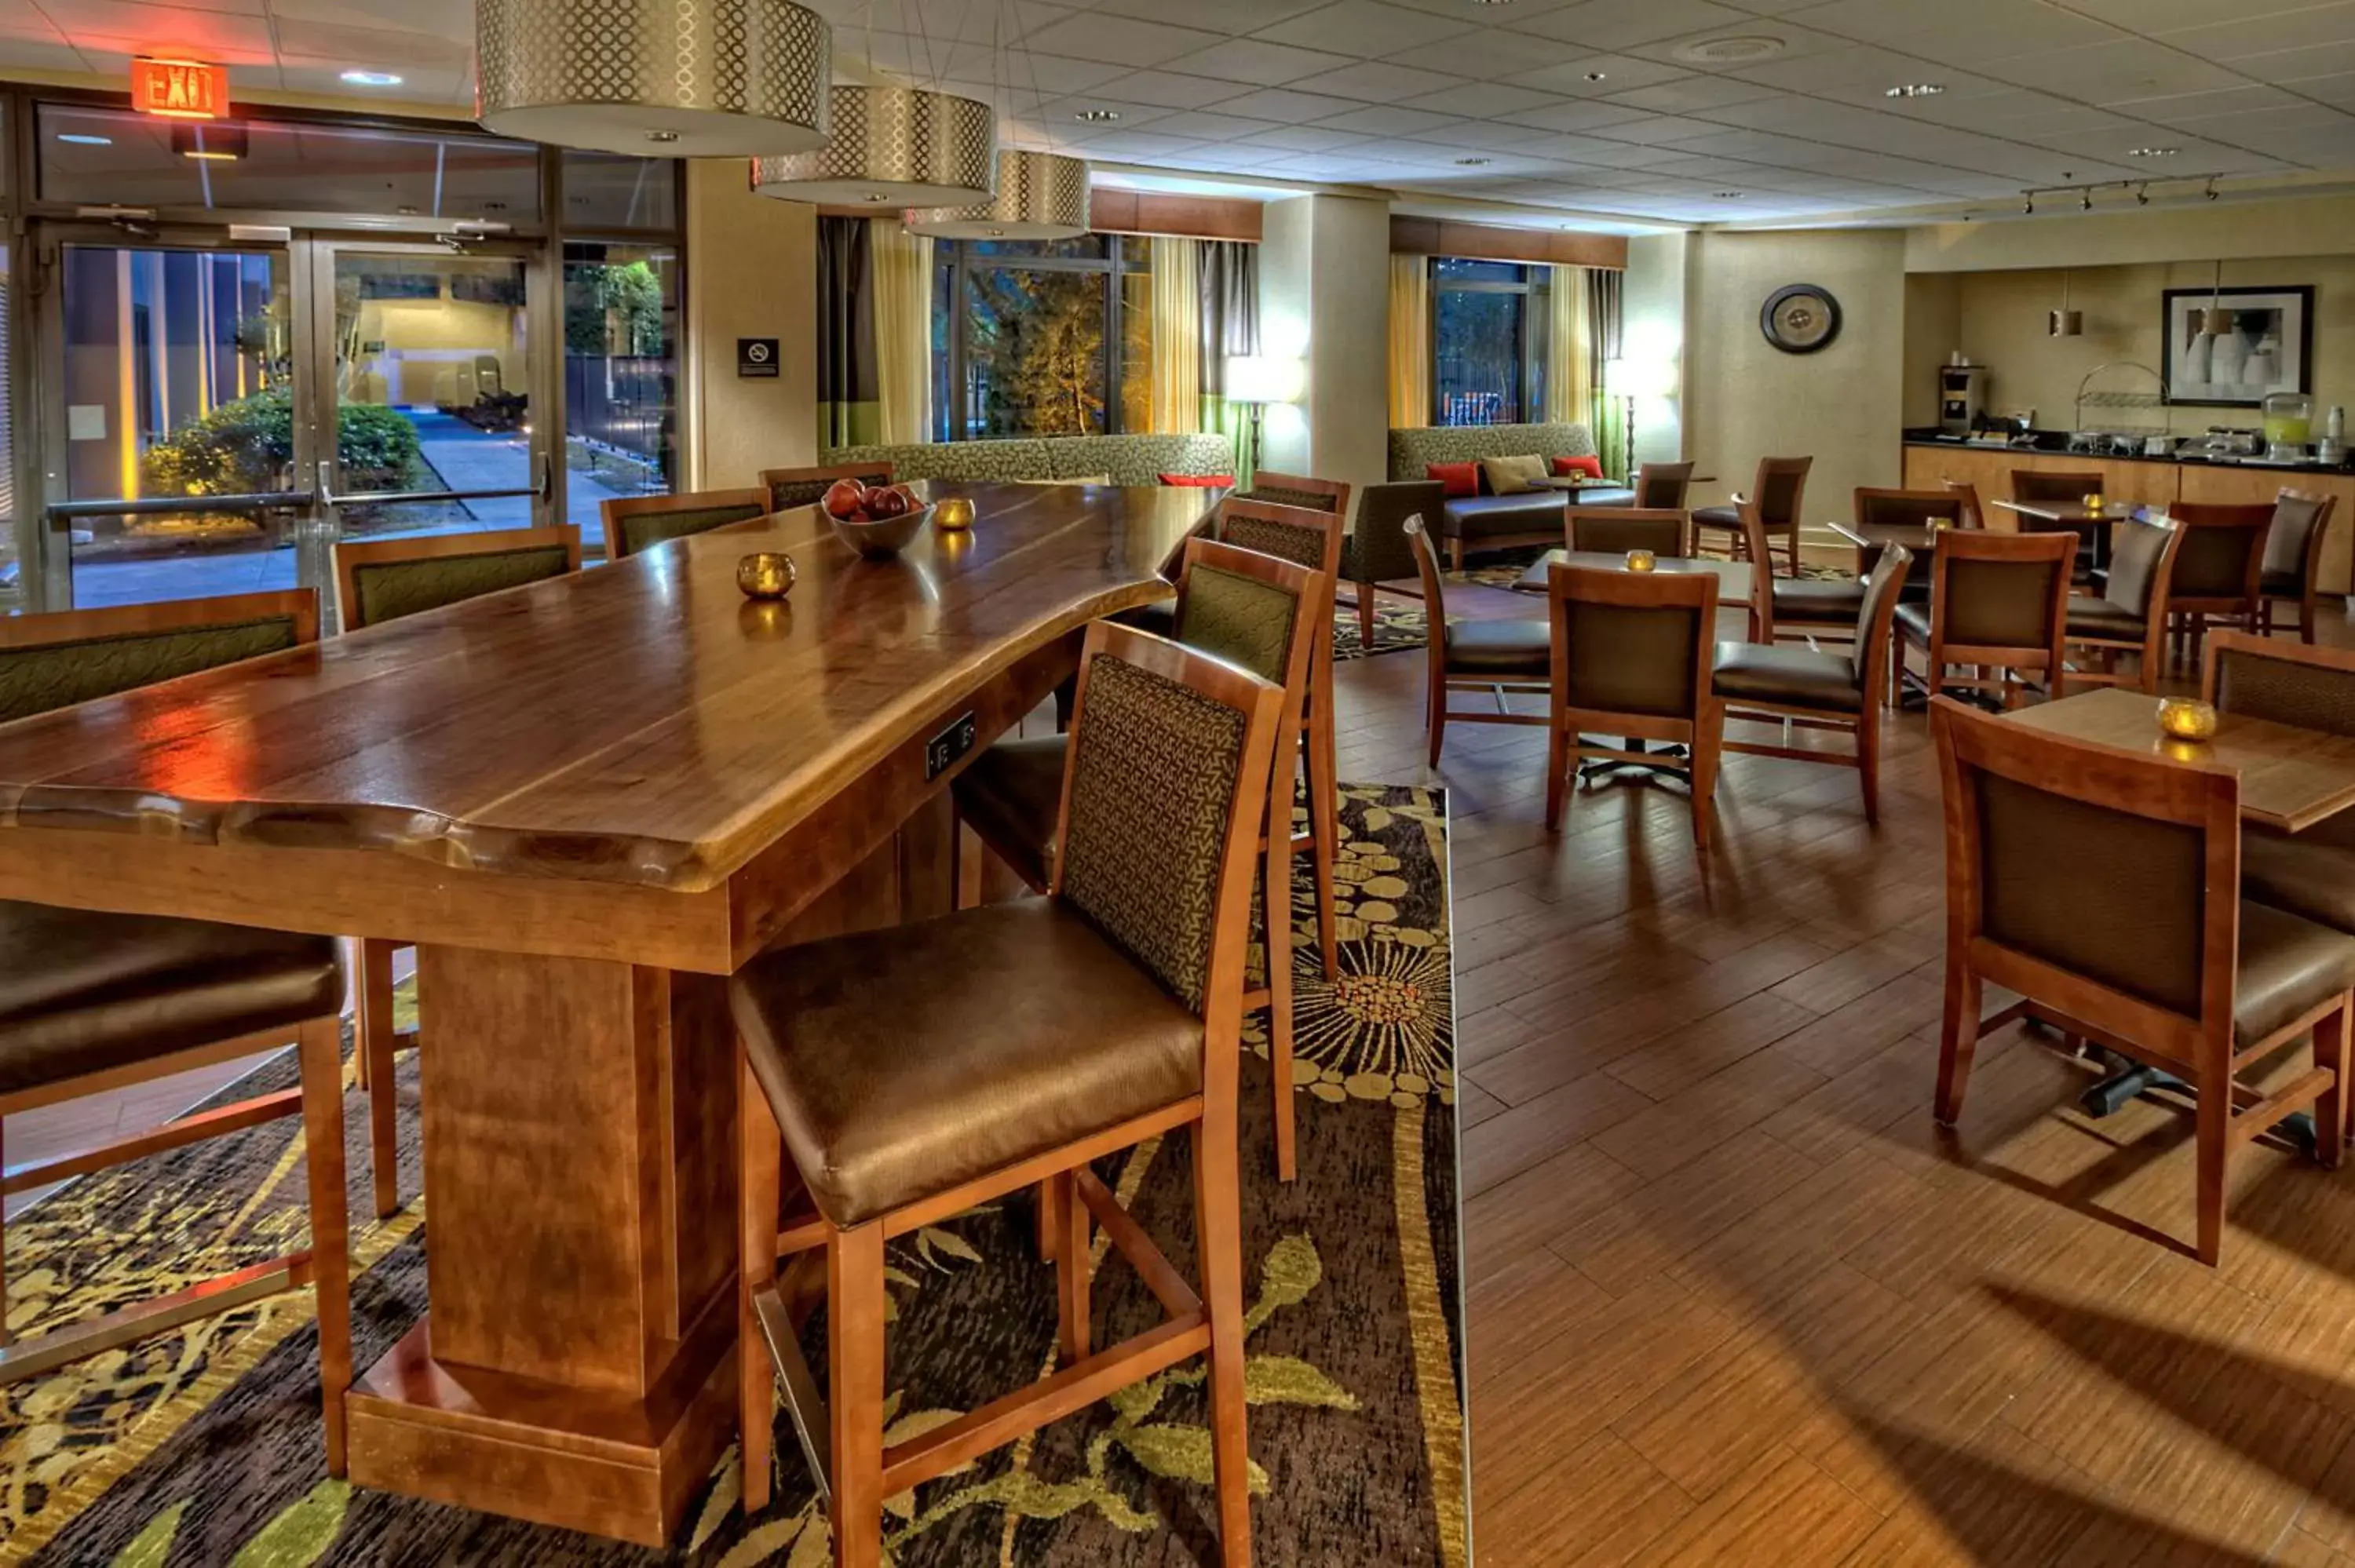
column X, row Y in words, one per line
column 893, row 146
column 1635, row 378
column 1040, row 195
column 685, row 79
column 1264, row 379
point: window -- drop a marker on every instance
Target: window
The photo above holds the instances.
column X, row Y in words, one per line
column 1488, row 341
column 1042, row 337
column 622, row 329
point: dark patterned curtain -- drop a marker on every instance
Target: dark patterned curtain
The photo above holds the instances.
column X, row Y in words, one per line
column 849, row 392
column 1229, row 270
column 1604, row 338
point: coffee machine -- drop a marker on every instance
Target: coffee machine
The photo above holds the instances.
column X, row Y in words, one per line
column 1962, row 396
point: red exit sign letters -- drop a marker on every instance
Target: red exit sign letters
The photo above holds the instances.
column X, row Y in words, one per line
column 179, row 89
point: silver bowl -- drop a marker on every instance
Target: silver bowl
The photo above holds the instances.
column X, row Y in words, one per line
column 884, row 537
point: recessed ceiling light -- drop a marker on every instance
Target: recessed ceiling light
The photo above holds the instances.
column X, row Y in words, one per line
column 1915, row 90
column 80, row 139
column 371, row 79
column 1735, row 49
column 2152, row 151
column 1595, row 76
column 1727, row 196
column 661, row 135
column 1472, row 163
column 1097, row 116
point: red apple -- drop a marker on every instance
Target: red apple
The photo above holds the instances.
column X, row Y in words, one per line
column 882, row 503
column 844, row 498
column 908, row 496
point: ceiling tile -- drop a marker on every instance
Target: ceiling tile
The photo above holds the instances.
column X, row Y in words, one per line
column 1493, row 53
column 1206, row 125
column 2115, row 74
column 1220, row 15
column 1612, row 24
column 1172, row 89
column 1286, row 107
column 1301, row 138
column 1366, row 29
column 1495, row 99
column 2249, row 34
column 1598, row 76
column 1385, row 120
column 1383, row 81
column 1693, row 94
column 1120, row 40
column 1257, row 64
column 1580, row 116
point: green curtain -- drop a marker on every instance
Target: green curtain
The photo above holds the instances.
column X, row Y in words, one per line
column 1229, row 283
column 849, row 382
column 1602, row 340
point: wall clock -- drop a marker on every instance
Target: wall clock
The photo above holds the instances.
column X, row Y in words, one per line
column 1800, row 318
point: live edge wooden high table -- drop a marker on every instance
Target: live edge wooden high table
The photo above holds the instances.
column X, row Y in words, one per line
column 585, row 802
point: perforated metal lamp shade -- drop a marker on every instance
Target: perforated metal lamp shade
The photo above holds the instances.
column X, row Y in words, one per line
column 1040, row 195
column 893, row 146
column 681, row 79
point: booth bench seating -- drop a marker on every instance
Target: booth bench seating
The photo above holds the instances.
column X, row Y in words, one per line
column 1486, row 521
column 1124, row 460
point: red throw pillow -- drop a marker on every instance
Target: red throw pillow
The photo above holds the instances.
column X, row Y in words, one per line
column 1591, row 467
column 1199, row 481
column 1461, row 479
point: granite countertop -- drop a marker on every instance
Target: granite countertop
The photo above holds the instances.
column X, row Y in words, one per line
column 2055, row 443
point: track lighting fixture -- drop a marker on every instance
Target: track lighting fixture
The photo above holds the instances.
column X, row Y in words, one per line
column 2085, row 201
column 2029, row 206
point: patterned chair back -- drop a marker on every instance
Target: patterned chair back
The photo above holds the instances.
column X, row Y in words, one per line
column 379, row 580
column 54, row 660
column 1247, row 608
column 791, row 487
column 1304, row 536
column 640, row 522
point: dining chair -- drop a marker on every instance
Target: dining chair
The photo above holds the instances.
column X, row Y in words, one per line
column 1973, row 514
column 1615, row 530
column 890, row 1066
column 2097, row 886
column 638, row 523
column 1499, row 657
column 787, row 488
column 378, row 581
column 1810, row 688
column 1298, row 490
column 2310, row 874
column 1631, row 658
column 1918, row 512
column 1997, row 602
column 1774, row 500
column 1376, row 557
column 1254, row 611
column 1662, row 486
column 1804, row 608
column 2047, row 486
column 2130, row 615
column 2292, row 572
column 2218, row 569
column 93, row 1003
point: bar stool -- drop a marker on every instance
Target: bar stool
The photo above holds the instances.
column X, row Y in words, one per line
column 1252, row 611
column 379, row 580
column 916, row 1071
column 92, row 1001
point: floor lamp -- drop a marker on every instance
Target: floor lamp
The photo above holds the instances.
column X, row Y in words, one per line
column 1255, row 380
column 1627, row 379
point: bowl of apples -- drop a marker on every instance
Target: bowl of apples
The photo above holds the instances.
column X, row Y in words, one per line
column 876, row 520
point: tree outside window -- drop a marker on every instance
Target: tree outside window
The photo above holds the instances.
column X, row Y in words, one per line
column 1042, row 338
column 1488, row 340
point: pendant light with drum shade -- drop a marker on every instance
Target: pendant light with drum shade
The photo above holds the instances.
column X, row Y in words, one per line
column 2065, row 322
column 1040, row 195
column 684, row 78
column 894, row 146
column 2216, row 320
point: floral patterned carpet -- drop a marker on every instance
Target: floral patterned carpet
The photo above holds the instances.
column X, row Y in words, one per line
column 202, row 1446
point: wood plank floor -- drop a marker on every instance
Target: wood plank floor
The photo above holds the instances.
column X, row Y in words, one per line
column 1733, row 1299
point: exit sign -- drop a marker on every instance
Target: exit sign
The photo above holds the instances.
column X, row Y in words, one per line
column 179, row 89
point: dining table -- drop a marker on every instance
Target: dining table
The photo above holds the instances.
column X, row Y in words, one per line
column 2092, row 525
column 587, row 802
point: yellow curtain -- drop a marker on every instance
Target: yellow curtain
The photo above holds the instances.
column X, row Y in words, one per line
column 1570, row 364
column 1177, row 337
column 1410, row 342
column 902, row 265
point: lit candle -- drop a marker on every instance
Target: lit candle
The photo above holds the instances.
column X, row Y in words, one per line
column 952, row 513
column 1640, row 561
column 765, row 574
column 2094, row 501
column 2187, row 718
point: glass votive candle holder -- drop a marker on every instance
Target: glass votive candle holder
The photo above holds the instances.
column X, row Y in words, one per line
column 1641, row 561
column 2187, row 718
column 766, row 574
column 2093, row 501
column 953, row 514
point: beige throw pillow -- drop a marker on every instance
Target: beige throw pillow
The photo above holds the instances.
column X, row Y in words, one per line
column 1513, row 475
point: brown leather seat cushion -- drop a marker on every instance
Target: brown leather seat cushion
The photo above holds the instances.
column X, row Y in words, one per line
column 1522, row 648
column 2293, row 873
column 1159, row 618
column 1472, row 518
column 2287, row 966
column 1834, row 601
column 2098, row 618
column 1797, row 677
column 81, row 992
column 2283, row 584
column 1012, row 795
column 1729, row 518
column 905, row 1061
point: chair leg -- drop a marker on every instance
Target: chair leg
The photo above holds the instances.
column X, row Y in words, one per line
column 1557, row 765
column 2330, row 1110
column 760, row 1154
column 1455, row 555
column 1070, row 1270
column 1958, row 1039
column 320, row 1047
column 376, row 1046
column 2212, row 1148
column 854, row 1397
column 1277, row 888
column 2306, row 618
column 1218, row 1221
column 1868, row 759
column 1324, row 815
column 1050, row 1220
column 1435, row 718
column 1366, row 617
column 1792, row 539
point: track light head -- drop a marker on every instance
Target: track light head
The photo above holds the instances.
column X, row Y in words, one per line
column 2085, row 201
column 2029, row 206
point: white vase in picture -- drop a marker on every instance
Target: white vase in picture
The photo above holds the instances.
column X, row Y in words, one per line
column 2228, row 366
column 2261, row 369
column 2197, row 358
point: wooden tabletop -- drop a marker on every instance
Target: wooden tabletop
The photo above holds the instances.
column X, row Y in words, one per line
column 2072, row 513
column 640, row 723
column 1914, row 536
column 1733, row 577
column 2290, row 777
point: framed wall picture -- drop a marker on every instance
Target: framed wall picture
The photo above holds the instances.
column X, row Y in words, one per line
column 2265, row 348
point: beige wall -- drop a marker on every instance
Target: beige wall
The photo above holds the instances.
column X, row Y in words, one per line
column 2001, row 324
column 751, row 271
column 1934, row 330
column 1652, row 324
column 2316, row 226
column 1745, row 399
column 1323, row 293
